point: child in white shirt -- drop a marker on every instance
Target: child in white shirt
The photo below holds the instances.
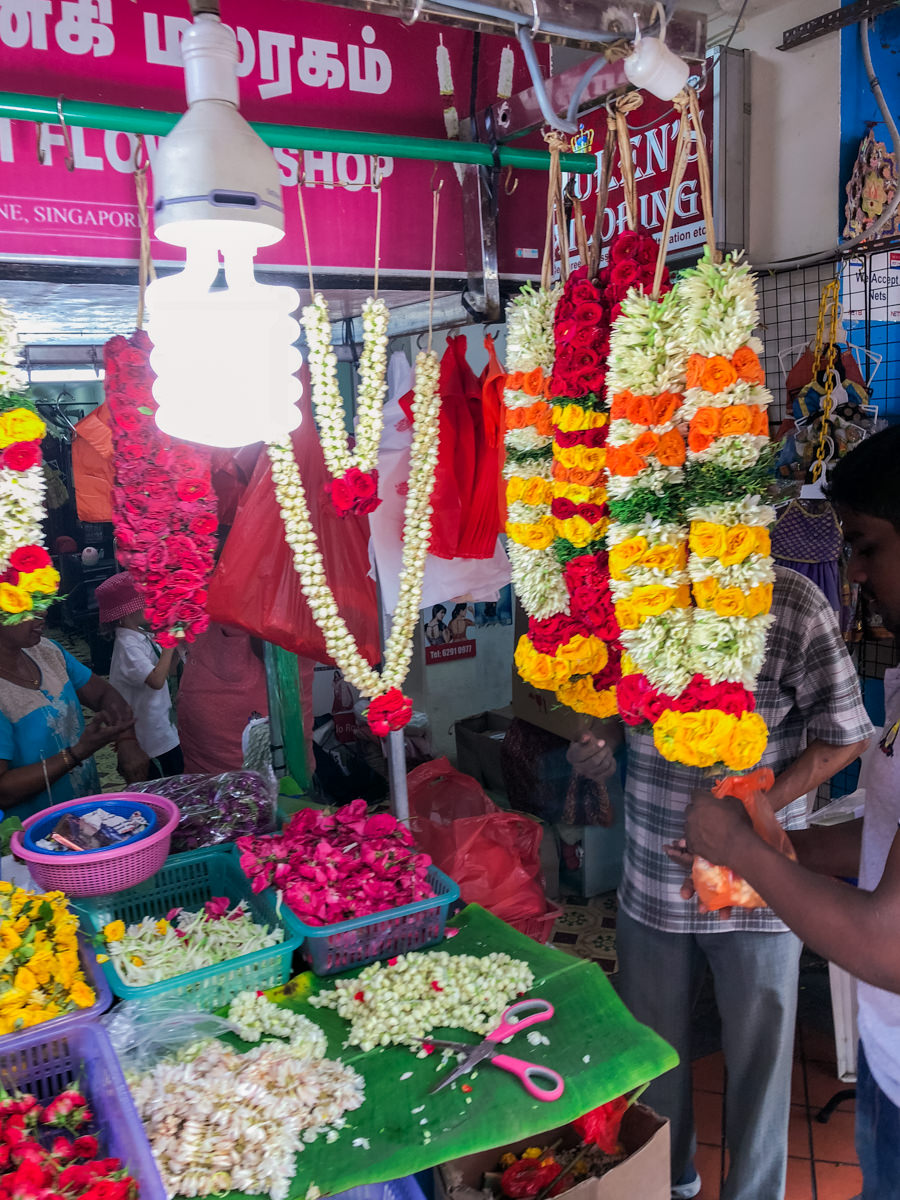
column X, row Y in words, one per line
column 140, row 671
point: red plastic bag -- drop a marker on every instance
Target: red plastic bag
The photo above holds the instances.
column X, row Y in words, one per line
column 720, row 887
column 493, row 855
column 254, row 585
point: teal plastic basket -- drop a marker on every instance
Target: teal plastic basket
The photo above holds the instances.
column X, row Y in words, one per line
column 188, row 881
column 346, row 944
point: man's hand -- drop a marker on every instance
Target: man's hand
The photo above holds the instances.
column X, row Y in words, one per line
column 682, row 857
column 714, row 826
column 591, row 756
column 133, row 763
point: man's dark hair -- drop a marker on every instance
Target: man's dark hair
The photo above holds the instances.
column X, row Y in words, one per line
column 868, row 478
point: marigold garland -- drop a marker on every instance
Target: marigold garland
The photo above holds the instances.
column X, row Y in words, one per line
column 28, row 580
column 164, row 507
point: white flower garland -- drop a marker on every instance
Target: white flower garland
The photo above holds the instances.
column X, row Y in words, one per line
column 339, row 459
column 310, row 566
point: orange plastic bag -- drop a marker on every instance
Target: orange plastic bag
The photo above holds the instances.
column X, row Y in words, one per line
column 720, row 887
column 494, row 856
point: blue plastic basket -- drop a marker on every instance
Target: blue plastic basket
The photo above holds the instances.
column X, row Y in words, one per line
column 188, row 881
column 120, row 808
column 347, row 944
column 80, row 1016
column 51, row 1058
column 395, row 1189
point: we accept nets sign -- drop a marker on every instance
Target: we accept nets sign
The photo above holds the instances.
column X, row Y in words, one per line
column 300, row 64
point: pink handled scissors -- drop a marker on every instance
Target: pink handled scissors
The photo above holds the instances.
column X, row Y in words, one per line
column 517, row 1017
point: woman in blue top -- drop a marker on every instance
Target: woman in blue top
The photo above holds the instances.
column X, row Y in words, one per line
column 46, row 750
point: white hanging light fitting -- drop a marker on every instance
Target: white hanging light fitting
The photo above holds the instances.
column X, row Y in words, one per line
column 224, row 357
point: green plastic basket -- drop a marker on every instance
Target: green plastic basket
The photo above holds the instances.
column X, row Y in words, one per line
column 188, row 881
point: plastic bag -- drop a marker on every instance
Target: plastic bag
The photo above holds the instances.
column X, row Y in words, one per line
column 145, row 1031
column 255, row 586
column 494, row 856
column 720, row 887
column 216, row 808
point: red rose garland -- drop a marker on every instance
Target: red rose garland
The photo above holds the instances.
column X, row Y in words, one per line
column 164, row 507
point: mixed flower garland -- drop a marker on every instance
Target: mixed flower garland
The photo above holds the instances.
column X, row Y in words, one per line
column 576, row 651
column 164, row 507
column 354, row 477
column 28, row 580
column 528, row 469
column 390, row 709
column 689, row 558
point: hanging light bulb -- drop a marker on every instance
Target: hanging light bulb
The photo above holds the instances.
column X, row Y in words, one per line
column 224, row 356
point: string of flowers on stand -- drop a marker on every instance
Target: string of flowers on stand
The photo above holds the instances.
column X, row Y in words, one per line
column 354, row 477
column 28, row 579
column 164, row 507
column 389, row 709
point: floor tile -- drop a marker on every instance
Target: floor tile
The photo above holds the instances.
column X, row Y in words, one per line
column 799, row 1180
column 708, row 1161
column 798, row 1132
column 833, row 1142
column 822, row 1083
column 709, row 1073
column 837, row 1182
column 708, row 1117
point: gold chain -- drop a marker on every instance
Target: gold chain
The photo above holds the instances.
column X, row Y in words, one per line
column 829, row 306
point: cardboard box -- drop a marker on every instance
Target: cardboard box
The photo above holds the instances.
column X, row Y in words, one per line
column 644, row 1174
column 479, row 746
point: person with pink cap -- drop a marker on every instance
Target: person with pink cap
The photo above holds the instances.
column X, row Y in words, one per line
column 140, row 670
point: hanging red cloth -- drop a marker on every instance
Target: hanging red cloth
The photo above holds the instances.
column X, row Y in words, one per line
column 93, row 466
column 255, row 586
column 493, row 382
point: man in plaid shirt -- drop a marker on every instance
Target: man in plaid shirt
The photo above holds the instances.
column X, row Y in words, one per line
column 809, row 695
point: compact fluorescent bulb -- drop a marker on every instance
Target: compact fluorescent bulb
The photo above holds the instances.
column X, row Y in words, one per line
column 224, row 357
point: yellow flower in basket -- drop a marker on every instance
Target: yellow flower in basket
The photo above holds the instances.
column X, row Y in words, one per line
column 114, row 931
column 81, row 994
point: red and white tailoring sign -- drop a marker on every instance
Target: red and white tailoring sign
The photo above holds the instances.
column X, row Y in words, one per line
column 654, row 132
column 300, row 64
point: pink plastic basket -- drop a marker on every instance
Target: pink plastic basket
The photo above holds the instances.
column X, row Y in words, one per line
column 102, row 872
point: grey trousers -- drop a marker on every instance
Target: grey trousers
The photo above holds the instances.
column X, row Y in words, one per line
column 755, row 976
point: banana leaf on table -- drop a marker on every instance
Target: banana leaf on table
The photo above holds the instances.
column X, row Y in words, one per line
column 595, row 1044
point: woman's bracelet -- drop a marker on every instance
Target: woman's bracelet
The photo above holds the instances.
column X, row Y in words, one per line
column 70, row 758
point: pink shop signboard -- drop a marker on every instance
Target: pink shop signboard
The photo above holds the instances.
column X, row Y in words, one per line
column 300, row 64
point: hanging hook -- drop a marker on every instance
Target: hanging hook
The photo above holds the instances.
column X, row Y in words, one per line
column 38, row 148
column 70, row 154
column 377, row 174
column 424, row 333
column 440, row 182
column 508, row 180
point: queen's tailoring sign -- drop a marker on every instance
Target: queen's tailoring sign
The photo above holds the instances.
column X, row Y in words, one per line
column 653, row 134
column 300, row 64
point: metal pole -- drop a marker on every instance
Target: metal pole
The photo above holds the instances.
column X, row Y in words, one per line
column 43, row 109
column 397, row 775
